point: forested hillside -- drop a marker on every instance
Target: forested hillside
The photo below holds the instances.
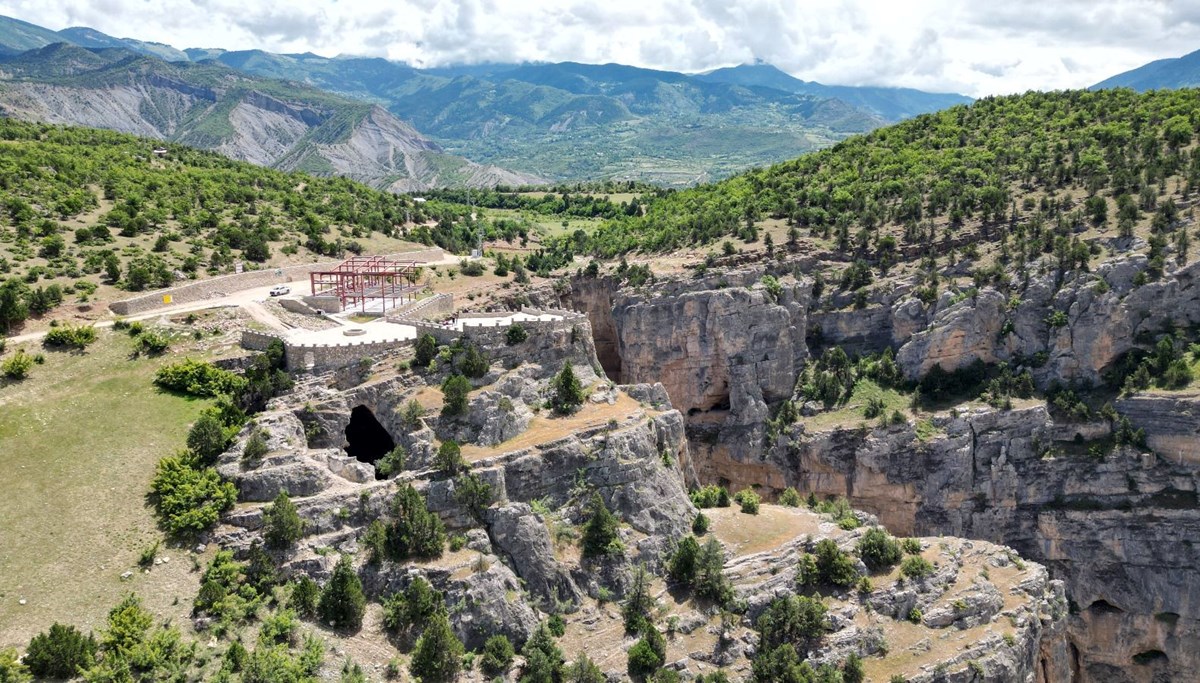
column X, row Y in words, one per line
column 1041, row 172
column 82, row 208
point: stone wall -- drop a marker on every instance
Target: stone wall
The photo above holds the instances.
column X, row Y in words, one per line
column 220, row 286
column 429, row 308
column 315, row 357
column 494, row 334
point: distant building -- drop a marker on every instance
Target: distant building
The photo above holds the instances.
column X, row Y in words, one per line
column 419, row 200
column 160, row 151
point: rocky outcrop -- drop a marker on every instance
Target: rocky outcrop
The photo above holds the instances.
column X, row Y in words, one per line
column 1113, row 527
column 1100, row 322
column 720, row 346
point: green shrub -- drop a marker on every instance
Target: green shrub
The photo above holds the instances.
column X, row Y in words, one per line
column 282, row 525
column 342, row 601
column 915, row 567
column 543, row 658
column 749, row 500
column 473, row 493
column 878, row 549
column 12, row 670
column 648, row 654
column 151, row 342
column 413, row 530
column 583, row 670
column 416, row 605
column 392, row 463
column 449, row 460
column 790, row 497
column 438, row 654
column 199, row 378
column 189, row 499
column 635, row 612
column 600, row 532
column 474, row 363
column 256, row 446
column 61, row 652
column 834, row 567
column 515, row 334
column 710, row 496
column 77, row 337
column 852, row 669
column 557, row 626
column 700, row 524
column 306, row 594
column 497, row 655
column 793, row 619
column 17, row 366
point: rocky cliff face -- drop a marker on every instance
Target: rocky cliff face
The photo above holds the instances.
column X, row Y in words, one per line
column 988, row 615
column 1115, row 527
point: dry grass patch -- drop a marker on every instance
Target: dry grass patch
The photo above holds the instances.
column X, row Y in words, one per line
column 80, row 440
column 545, row 428
column 774, row 525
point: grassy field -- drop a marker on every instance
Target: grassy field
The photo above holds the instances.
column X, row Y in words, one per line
column 80, row 440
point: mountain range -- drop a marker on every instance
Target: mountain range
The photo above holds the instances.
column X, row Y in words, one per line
column 563, row 121
column 1178, row 72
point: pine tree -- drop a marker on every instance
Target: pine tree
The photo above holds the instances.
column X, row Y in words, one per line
column 282, row 525
column 426, row 349
column 454, row 392
column 543, row 658
column 568, row 392
column 438, row 655
column 600, row 532
column 710, row 580
column 342, row 600
column 682, row 567
column 639, row 603
column 414, row 531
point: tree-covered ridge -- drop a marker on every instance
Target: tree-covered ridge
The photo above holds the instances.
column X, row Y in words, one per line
column 964, row 164
column 50, row 174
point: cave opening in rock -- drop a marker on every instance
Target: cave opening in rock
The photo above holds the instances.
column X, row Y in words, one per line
column 366, row 439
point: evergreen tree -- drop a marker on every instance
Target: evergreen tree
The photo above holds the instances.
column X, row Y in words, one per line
column 425, row 350
column 711, row 581
column 638, row 603
column 207, row 438
column 60, row 653
column 414, row 531
column 600, row 532
column 454, row 392
column 449, row 460
column 438, row 655
column 282, row 525
column 682, row 567
column 568, row 392
column 543, row 658
column 342, row 601
column 583, row 670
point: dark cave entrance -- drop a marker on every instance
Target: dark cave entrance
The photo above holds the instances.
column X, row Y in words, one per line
column 366, row 439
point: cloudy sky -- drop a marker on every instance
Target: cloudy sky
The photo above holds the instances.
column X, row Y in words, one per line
column 976, row 47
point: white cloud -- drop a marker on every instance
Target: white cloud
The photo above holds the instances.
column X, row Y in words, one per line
column 978, row 48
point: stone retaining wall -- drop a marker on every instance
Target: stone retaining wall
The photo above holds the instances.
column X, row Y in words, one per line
column 494, row 334
column 317, row 357
column 429, row 308
column 216, row 287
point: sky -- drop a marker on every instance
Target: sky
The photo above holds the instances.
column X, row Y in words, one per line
column 974, row 47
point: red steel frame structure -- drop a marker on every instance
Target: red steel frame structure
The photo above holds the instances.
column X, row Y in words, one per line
column 362, row 279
